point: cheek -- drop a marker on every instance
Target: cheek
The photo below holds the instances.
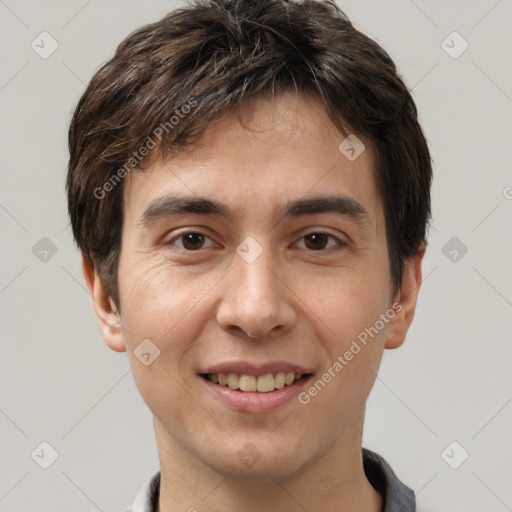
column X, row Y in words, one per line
column 353, row 336
column 162, row 303
column 349, row 302
column 353, row 344
column 355, row 349
column 159, row 305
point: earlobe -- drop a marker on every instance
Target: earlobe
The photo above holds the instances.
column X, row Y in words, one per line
column 406, row 298
column 107, row 316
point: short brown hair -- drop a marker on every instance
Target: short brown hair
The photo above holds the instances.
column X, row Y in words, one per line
column 213, row 56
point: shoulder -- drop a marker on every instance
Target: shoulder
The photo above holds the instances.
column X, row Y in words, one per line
column 396, row 495
column 147, row 497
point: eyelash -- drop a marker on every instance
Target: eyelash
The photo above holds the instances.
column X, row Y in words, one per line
column 340, row 243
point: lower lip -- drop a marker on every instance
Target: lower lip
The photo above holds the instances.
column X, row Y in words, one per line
column 256, row 402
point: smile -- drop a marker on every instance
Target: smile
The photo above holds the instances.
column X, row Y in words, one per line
column 270, row 398
column 251, row 383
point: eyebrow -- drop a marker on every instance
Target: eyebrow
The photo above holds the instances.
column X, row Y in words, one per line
column 172, row 205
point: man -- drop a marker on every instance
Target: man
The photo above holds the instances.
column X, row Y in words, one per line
column 250, row 189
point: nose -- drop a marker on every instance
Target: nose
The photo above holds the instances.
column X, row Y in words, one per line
column 255, row 299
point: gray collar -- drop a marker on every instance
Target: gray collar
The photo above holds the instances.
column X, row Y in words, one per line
column 397, row 497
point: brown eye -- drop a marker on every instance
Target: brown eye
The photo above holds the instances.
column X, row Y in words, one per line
column 318, row 241
column 190, row 241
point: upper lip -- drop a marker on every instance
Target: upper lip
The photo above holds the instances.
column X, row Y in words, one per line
column 248, row 368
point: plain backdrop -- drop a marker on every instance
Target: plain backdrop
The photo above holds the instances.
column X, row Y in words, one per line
column 444, row 396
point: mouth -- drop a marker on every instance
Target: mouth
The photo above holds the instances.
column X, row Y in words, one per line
column 254, row 387
column 265, row 383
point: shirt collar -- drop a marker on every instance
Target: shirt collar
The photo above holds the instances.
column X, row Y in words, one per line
column 396, row 496
column 147, row 497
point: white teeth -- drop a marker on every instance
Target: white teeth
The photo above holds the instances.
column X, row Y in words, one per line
column 247, row 383
column 289, row 378
column 279, row 380
column 265, row 383
column 250, row 383
column 233, row 380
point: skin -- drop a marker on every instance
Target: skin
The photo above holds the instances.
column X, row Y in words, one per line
column 293, row 303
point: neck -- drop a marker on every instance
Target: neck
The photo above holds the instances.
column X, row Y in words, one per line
column 334, row 481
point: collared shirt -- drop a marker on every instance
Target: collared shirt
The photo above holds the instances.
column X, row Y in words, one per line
column 396, row 496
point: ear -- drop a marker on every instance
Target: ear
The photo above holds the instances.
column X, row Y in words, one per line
column 406, row 298
column 107, row 316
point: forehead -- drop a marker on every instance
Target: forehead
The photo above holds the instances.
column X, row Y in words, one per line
column 270, row 150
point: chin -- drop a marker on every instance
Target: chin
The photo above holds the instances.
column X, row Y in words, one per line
column 259, row 460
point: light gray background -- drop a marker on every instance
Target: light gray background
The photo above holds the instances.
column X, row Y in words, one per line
column 449, row 382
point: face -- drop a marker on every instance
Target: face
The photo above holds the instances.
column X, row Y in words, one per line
column 269, row 264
